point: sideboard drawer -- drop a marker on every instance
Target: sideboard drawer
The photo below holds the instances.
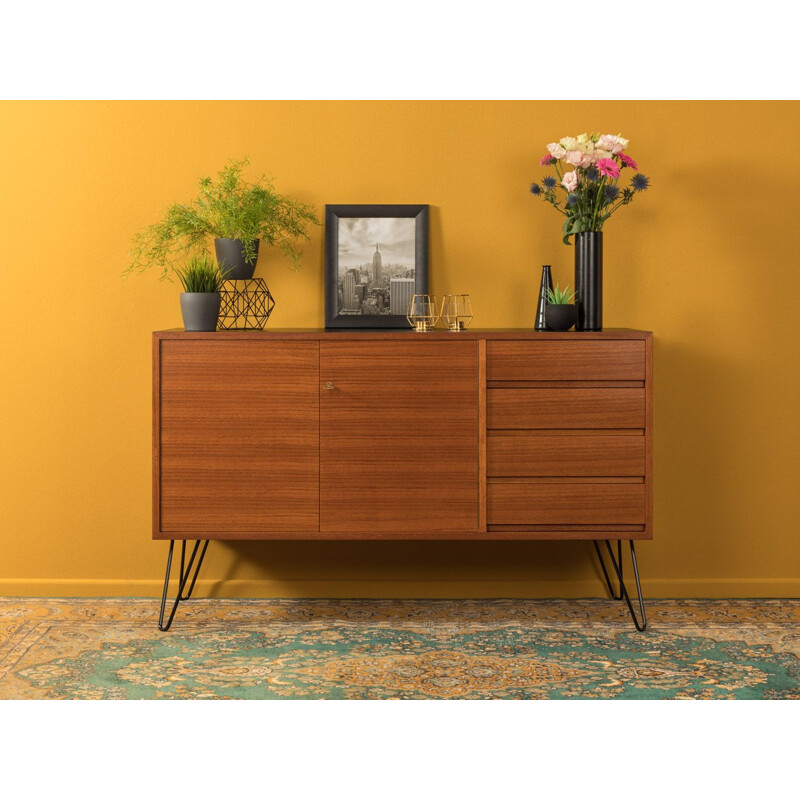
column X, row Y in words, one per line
column 529, row 454
column 531, row 503
column 516, row 409
column 613, row 360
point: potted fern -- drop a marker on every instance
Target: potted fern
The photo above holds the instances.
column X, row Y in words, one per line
column 200, row 300
column 237, row 214
column 560, row 313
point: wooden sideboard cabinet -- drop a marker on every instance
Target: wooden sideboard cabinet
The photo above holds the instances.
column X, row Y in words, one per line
column 397, row 435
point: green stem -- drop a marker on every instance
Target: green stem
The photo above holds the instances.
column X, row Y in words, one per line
column 615, row 207
column 556, row 206
column 600, row 186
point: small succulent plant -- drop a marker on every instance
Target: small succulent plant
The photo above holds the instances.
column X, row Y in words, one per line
column 560, row 297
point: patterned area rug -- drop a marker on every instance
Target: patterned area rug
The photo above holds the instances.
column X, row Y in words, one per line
column 383, row 649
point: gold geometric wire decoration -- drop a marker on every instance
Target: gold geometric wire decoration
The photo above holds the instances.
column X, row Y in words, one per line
column 246, row 305
column 422, row 313
column 456, row 312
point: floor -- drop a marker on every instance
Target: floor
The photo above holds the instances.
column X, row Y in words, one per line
column 111, row 648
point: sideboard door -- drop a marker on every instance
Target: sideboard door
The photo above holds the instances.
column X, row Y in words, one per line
column 398, row 436
column 239, row 427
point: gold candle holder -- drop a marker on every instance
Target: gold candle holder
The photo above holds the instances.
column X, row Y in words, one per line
column 456, row 312
column 422, row 314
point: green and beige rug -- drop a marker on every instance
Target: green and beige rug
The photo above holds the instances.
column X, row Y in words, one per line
column 415, row 649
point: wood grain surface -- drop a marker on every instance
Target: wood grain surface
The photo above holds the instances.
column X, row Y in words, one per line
column 239, row 428
column 532, row 503
column 565, row 361
column 565, row 408
column 495, row 434
column 531, row 454
column 399, row 444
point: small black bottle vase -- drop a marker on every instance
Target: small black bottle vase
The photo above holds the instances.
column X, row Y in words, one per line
column 541, row 306
column 589, row 280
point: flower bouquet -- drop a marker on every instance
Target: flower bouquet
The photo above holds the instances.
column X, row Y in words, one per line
column 585, row 188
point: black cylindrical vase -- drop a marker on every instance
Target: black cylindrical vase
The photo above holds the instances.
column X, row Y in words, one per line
column 589, row 280
column 547, row 285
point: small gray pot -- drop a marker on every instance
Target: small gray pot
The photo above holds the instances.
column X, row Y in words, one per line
column 560, row 317
column 200, row 310
column 230, row 257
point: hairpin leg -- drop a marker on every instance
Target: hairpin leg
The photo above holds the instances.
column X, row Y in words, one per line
column 641, row 622
column 183, row 578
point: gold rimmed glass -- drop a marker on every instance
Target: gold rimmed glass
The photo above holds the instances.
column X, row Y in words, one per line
column 456, row 312
column 422, row 312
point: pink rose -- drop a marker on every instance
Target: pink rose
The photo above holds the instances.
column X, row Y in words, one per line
column 578, row 158
column 570, row 181
column 616, row 144
column 608, row 167
column 556, row 150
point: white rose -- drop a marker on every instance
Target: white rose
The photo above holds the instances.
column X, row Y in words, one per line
column 606, row 142
column 621, row 145
column 615, row 144
column 569, row 143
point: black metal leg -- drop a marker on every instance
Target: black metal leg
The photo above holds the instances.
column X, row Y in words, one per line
column 197, row 569
column 614, row 595
column 182, row 580
column 641, row 622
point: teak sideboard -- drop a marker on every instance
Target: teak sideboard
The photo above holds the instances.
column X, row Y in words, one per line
column 497, row 434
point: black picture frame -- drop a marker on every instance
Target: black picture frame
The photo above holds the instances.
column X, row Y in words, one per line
column 334, row 213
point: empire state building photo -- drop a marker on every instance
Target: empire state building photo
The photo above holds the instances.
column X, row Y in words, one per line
column 376, row 274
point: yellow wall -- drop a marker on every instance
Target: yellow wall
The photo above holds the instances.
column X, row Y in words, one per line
column 708, row 260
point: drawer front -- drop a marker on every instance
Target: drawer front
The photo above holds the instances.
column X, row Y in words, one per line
column 613, row 360
column 530, row 503
column 516, row 409
column 526, row 455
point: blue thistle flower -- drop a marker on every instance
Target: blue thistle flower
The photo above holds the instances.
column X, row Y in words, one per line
column 549, row 182
column 639, row 183
column 536, row 189
column 592, row 174
column 611, row 192
column 572, row 200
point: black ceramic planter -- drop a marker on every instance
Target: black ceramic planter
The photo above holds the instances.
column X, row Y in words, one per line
column 589, row 280
column 230, row 257
column 200, row 310
column 560, row 317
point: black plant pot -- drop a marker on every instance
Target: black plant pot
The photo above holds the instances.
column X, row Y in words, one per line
column 230, row 257
column 589, row 280
column 560, row 317
column 200, row 310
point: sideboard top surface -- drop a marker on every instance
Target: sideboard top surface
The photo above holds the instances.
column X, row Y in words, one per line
column 383, row 333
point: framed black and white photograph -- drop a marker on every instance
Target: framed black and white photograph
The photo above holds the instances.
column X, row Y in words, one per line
column 376, row 257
